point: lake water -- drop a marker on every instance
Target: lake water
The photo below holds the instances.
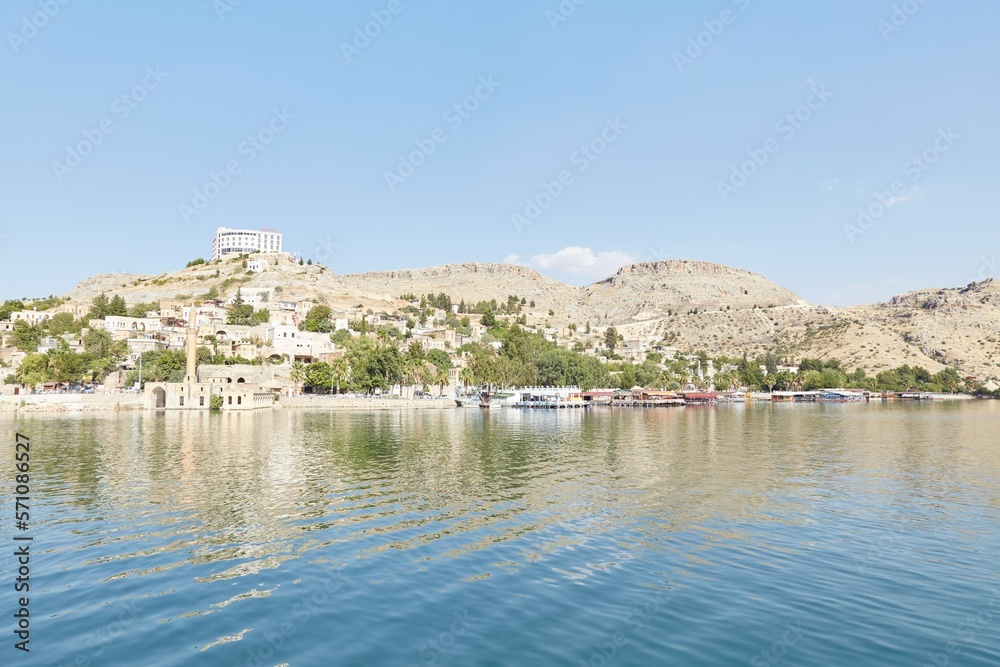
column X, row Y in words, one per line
column 758, row 535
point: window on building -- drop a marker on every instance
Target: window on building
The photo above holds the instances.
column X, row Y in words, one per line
column 239, row 400
column 182, row 401
column 230, row 400
column 201, row 400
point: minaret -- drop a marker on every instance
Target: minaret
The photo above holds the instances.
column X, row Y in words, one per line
column 191, row 374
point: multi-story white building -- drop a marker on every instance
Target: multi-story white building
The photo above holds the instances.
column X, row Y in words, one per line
column 32, row 317
column 230, row 242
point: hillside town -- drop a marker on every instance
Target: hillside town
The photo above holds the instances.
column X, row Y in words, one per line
column 253, row 325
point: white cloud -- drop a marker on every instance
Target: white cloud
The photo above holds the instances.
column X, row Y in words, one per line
column 914, row 193
column 582, row 262
column 577, row 262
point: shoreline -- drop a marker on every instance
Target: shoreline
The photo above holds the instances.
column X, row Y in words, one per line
column 77, row 403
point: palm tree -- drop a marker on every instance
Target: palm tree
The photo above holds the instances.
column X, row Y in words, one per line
column 339, row 371
column 298, row 373
column 723, row 381
column 467, row 377
column 441, row 378
column 418, row 374
column 409, row 366
column 384, row 338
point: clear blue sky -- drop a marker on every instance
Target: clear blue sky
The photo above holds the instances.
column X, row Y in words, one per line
column 652, row 194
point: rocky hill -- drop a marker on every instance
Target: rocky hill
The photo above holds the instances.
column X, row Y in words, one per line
column 652, row 290
column 690, row 305
column 959, row 327
column 474, row 282
column 284, row 279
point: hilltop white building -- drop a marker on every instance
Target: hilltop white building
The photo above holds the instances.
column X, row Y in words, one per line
column 230, row 242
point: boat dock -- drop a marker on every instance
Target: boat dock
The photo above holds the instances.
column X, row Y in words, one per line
column 551, row 405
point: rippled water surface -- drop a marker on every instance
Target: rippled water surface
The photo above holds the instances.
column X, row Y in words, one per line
column 759, row 535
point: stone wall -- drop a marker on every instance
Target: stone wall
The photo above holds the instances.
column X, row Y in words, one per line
column 70, row 402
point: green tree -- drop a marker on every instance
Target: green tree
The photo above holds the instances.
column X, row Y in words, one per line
column 298, row 375
column 97, row 342
column 118, row 307
column 33, row 370
column 812, row 380
column 26, row 337
column 724, row 381
column 319, row 318
column 340, row 372
column 143, row 309
column 611, row 340
column 783, row 381
column 160, row 366
column 341, row 337
column 415, row 373
column 771, row 363
column 100, row 306
column 10, row 306
column 440, row 377
column 61, row 323
column 119, row 350
column 485, row 364
column 68, row 366
column 239, row 313
column 833, row 379
column 750, row 374
column 439, row 358
column 466, row 377
column 949, row 380
column 365, row 375
column 318, row 377
column 415, row 352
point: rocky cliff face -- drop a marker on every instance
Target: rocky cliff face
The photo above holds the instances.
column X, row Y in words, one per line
column 652, row 290
column 973, row 295
column 959, row 327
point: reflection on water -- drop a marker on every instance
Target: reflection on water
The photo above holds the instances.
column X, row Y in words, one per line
column 694, row 536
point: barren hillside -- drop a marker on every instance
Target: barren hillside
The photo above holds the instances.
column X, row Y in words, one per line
column 651, row 290
column 473, row 282
column 691, row 305
column 283, row 279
